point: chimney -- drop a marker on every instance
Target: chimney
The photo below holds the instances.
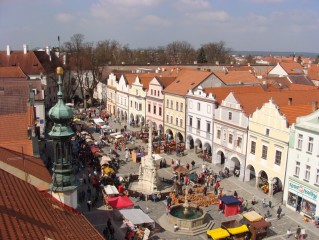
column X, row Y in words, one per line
column 314, row 105
column 25, row 48
column 8, row 50
column 289, row 101
column 47, row 50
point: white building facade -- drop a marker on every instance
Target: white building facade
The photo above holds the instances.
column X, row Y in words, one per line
column 301, row 192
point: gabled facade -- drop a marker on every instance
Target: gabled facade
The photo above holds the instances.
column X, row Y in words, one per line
column 111, row 94
column 175, row 100
column 301, row 191
column 155, row 102
column 268, row 137
column 122, row 101
column 137, row 98
column 283, row 69
column 230, row 135
column 199, row 122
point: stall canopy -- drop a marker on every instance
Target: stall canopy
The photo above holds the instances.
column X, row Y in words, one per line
column 231, row 205
column 136, row 216
column 238, row 230
column 218, row 233
column 105, row 160
column 110, row 189
column 252, row 216
column 98, row 121
column 120, row 202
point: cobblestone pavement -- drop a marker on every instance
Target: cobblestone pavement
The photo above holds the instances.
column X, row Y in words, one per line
column 98, row 215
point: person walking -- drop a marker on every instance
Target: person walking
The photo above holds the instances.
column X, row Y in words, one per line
column 205, row 190
column 193, row 164
column 279, row 210
column 245, row 205
column 168, row 201
column 89, row 203
column 264, row 203
column 298, row 231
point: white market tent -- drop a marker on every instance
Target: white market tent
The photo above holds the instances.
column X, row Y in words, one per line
column 115, row 134
column 105, row 160
column 136, row 216
column 98, row 121
column 110, row 190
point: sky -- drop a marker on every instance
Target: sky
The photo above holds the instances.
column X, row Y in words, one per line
column 244, row 25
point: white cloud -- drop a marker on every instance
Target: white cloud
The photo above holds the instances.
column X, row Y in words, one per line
column 64, row 17
column 217, row 16
column 193, row 4
column 110, row 9
column 155, row 20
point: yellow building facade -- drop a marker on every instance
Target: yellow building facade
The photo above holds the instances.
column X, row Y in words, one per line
column 174, row 116
column 268, row 138
column 111, row 94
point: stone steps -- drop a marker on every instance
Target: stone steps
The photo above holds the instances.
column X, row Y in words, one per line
column 183, row 231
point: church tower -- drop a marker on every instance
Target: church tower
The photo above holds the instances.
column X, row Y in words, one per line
column 63, row 186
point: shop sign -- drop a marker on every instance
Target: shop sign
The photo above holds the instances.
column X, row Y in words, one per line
column 303, row 191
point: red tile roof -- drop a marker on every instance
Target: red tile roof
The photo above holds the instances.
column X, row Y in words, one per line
column 237, row 77
column 292, row 67
column 165, row 81
column 27, row 213
column 12, row 72
column 313, row 72
column 291, row 112
column 187, row 79
column 31, row 63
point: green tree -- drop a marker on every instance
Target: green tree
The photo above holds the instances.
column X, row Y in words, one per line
column 201, row 57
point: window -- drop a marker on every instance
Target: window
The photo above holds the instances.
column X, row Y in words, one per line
column 208, row 127
column 300, row 141
column 160, row 111
column 198, row 123
column 149, row 107
column 140, row 107
column 167, row 103
column 253, row 147
column 198, row 106
column 239, row 141
column 171, row 119
column 264, row 152
column 317, row 177
column 267, row 131
column 208, row 108
column 297, row 169
column 131, row 103
column 218, row 134
column 157, row 92
column 190, row 121
column 176, row 106
column 181, row 107
column 176, row 122
column 278, row 157
column 230, row 116
column 167, row 118
column 154, row 109
column 136, row 92
column 171, row 104
column 230, row 138
column 224, row 135
column 307, row 173
column 310, row 145
column 151, row 91
column 181, row 122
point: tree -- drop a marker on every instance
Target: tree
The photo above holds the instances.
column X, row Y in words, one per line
column 201, row 57
column 317, row 59
column 217, row 52
column 180, row 52
column 249, row 58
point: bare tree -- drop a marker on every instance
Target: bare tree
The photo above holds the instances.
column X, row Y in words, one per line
column 216, row 52
column 180, row 52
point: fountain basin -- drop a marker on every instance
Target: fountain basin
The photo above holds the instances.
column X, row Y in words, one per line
column 196, row 217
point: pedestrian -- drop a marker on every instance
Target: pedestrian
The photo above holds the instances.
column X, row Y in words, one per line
column 288, row 233
column 279, row 210
column 264, row 203
column 270, row 204
column 112, row 231
column 205, row 190
column 168, row 209
column 235, row 194
column 106, row 233
column 187, row 166
column 126, row 155
column 89, row 203
column 168, row 201
column 298, row 231
column 217, row 184
column 253, row 201
column 215, row 190
column 193, row 164
column 245, row 205
column 175, row 227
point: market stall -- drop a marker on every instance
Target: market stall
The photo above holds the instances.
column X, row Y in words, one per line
column 110, row 191
column 218, row 233
column 258, row 227
column 236, row 229
column 230, row 205
column 120, row 202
